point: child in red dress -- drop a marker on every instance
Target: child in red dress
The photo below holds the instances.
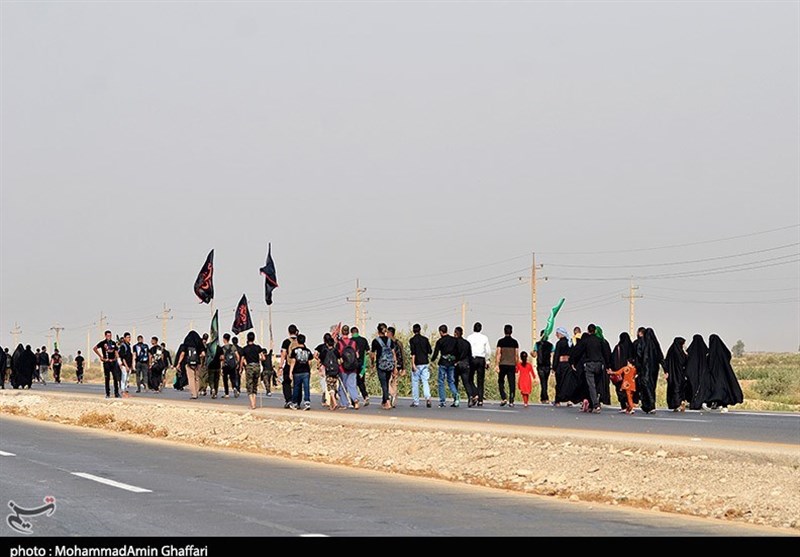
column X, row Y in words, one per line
column 627, row 377
column 526, row 377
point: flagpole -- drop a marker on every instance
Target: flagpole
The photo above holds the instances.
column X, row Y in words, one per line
column 270, row 326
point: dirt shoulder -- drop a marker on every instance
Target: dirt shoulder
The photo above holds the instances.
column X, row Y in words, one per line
column 755, row 483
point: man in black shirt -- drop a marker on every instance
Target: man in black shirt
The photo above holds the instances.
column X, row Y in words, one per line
column 252, row 356
column 157, row 365
column 595, row 355
column 362, row 347
column 384, row 358
column 446, row 347
column 230, row 366
column 107, row 351
column 44, row 365
column 544, row 354
column 300, row 369
column 79, row 367
column 56, row 362
column 126, row 362
column 399, row 370
column 141, row 353
column 463, row 366
column 420, row 348
column 286, row 347
column 507, row 358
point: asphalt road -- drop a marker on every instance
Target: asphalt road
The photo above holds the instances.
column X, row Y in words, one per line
column 768, row 427
column 167, row 490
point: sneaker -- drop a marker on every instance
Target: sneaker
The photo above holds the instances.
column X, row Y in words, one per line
column 441, row 405
column 213, row 395
column 596, row 410
column 269, row 393
column 366, row 401
column 503, row 402
column 306, row 405
column 287, row 405
column 568, row 404
column 511, row 405
column 236, row 393
column 428, row 403
column 414, row 404
column 138, row 390
column 226, row 396
column 456, row 404
column 480, row 403
column 724, row 409
column 525, row 405
column 108, row 396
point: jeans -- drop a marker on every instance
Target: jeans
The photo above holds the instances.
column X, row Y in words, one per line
column 544, row 375
column 463, row 371
column 349, row 380
column 420, row 374
column 447, row 373
column 288, row 395
column 302, row 387
column 111, row 370
column 142, row 376
column 232, row 375
column 477, row 376
column 593, row 371
column 510, row 373
column 384, row 377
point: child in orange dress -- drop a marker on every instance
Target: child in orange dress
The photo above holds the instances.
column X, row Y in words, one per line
column 626, row 376
column 526, row 377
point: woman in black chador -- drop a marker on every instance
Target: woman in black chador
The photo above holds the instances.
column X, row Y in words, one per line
column 675, row 368
column 697, row 377
column 623, row 351
column 725, row 390
column 568, row 382
column 652, row 358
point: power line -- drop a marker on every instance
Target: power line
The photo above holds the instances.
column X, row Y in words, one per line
column 670, row 264
column 633, row 250
column 481, row 281
column 749, row 266
column 726, row 302
column 515, row 284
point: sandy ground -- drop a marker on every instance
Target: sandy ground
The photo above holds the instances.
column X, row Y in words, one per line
column 747, row 482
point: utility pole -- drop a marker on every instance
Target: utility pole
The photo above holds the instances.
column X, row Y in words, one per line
column 358, row 300
column 632, row 315
column 57, row 329
column 463, row 315
column 165, row 316
column 533, row 279
column 16, row 332
column 49, row 339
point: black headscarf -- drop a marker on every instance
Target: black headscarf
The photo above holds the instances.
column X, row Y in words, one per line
column 623, row 351
column 725, row 389
column 697, row 372
column 675, row 366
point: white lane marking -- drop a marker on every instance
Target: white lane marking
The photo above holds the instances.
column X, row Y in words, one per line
column 112, row 483
column 3, row 453
column 314, row 536
column 675, row 419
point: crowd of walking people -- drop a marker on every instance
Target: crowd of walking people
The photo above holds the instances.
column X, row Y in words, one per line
column 583, row 366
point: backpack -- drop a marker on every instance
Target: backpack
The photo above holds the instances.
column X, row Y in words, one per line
column 230, row 357
column 386, row 359
column 349, row 356
column 331, row 362
column 192, row 358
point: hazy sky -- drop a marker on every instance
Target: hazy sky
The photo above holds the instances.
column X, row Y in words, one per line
column 427, row 148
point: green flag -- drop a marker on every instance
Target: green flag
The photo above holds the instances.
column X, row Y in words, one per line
column 551, row 321
column 213, row 339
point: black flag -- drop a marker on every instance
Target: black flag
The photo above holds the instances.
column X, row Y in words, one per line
column 204, row 285
column 242, row 321
column 270, row 279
